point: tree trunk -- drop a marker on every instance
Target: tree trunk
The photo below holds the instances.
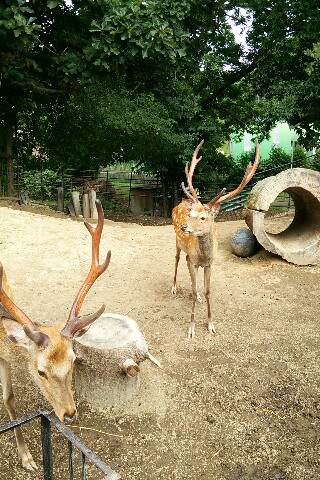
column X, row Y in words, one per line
column 8, row 151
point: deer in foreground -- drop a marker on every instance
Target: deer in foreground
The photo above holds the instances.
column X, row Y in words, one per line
column 48, row 349
column 196, row 232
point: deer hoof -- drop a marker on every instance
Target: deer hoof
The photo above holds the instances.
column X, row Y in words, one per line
column 174, row 289
column 192, row 331
column 28, row 463
column 211, row 327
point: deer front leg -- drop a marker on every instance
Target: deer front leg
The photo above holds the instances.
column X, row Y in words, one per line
column 193, row 270
column 199, row 299
column 9, row 403
column 207, row 292
column 174, row 286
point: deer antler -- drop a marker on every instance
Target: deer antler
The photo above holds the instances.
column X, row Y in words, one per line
column 14, row 312
column 75, row 323
column 250, row 171
column 191, row 193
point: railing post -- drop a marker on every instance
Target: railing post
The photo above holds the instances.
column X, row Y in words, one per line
column 70, row 460
column 46, row 448
column 83, row 467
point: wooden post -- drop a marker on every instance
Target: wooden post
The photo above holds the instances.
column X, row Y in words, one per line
column 76, row 202
column 164, row 198
column 60, row 201
column 130, row 186
column 85, row 205
column 92, row 202
column 41, row 180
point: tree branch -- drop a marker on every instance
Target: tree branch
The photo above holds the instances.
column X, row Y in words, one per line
column 229, row 80
column 35, row 87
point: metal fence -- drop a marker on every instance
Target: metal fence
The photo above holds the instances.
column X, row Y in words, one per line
column 73, row 441
column 128, row 192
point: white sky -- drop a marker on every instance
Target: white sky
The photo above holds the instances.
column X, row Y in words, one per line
column 240, row 31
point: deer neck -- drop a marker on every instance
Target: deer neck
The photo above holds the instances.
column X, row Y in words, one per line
column 205, row 249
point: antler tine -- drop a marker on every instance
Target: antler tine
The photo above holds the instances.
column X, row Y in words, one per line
column 250, row 171
column 12, row 312
column 219, row 195
column 74, row 322
column 11, row 308
column 190, row 172
column 188, row 194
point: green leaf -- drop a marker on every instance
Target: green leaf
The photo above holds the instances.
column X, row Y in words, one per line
column 52, row 3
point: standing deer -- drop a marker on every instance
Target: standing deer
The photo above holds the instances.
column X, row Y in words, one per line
column 196, row 232
column 48, row 348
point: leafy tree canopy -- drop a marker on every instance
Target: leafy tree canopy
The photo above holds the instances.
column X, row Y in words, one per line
column 95, row 80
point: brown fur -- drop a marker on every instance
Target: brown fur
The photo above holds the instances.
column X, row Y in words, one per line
column 54, row 361
column 196, row 233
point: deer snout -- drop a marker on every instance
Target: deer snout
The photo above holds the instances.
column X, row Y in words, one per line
column 68, row 417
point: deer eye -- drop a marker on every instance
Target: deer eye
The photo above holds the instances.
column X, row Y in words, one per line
column 42, row 374
column 202, row 218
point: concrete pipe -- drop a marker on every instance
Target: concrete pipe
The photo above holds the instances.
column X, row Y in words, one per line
column 299, row 243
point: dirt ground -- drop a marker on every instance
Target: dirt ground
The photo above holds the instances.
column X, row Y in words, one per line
column 243, row 404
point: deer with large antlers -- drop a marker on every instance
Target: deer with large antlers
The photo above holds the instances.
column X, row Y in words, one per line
column 48, row 348
column 196, row 234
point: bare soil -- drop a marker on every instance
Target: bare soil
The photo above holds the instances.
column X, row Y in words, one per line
column 243, row 404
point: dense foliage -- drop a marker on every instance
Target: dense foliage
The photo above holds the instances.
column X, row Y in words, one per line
column 93, row 82
column 40, row 184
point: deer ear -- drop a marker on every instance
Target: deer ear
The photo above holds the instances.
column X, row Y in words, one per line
column 15, row 333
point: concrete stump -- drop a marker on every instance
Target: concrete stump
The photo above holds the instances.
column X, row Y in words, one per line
column 85, row 206
column 76, row 202
column 299, row 243
column 92, row 202
column 108, row 358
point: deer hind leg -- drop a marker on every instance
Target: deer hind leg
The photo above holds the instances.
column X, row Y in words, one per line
column 193, row 270
column 9, row 403
column 174, row 286
column 207, row 292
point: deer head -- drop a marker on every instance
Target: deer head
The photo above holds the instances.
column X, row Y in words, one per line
column 201, row 216
column 49, row 348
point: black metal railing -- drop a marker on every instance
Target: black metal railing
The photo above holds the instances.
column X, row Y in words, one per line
column 47, row 420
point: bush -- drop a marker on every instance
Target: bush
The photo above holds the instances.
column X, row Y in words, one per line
column 315, row 161
column 40, row 185
column 112, row 206
column 300, row 158
column 279, row 159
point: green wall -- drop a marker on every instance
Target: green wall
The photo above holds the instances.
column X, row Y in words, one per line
column 280, row 136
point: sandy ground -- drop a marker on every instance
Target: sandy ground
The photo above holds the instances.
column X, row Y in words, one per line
column 241, row 405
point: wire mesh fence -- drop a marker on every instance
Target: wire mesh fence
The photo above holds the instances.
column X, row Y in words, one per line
column 130, row 193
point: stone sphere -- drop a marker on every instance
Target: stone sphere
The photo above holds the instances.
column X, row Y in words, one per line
column 243, row 243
